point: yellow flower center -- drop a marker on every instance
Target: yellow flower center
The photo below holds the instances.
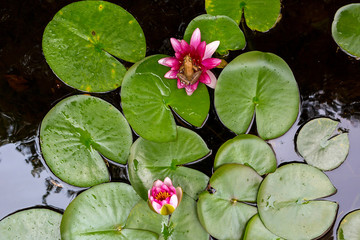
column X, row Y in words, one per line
column 162, row 196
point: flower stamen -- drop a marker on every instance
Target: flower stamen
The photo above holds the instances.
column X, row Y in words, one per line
column 162, row 196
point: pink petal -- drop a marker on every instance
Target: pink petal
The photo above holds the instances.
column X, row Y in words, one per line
column 156, row 206
column 212, row 84
column 180, row 84
column 157, row 183
column 201, row 49
column 165, row 188
column 205, row 78
column 185, row 47
column 149, row 194
column 175, row 44
column 174, row 201
column 191, row 88
column 167, row 182
column 210, row 63
column 179, row 56
column 210, row 49
column 171, row 75
column 169, row 62
column 195, row 38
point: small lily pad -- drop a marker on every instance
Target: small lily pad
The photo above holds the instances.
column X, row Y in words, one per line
column 182, row 224
column 150, row 161
column 260, row 15
column 101, row 213
column 76, row 132
column 255, row 229
column 345, row 29
column 214, row 28
column 349, row 227
column 82, row 40
column 248, row 150
column 223, row 212
column 148, row 100
column 261, row 84
column 31, row 224
column 288, row 206
column 317, row 145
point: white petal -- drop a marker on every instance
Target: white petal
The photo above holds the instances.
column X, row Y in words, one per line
column 156, row 206
column 212, row 84
column 210, row 49
column 167, row 181
column 195, row 38
column 174, row 201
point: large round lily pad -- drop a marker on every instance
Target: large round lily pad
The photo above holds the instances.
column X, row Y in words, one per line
column 150, row 161
column 261, row 84
column 76, row 132
column 248, row 150
column 260, row 15
column 223, row 212
column 148, row 100
column 183, row 223
column 318, row 146
column 288, row 206
column 255, row 229
column 31, row 224
column 345, row 29
column 221, row 28
column 101, row 213
column 349, row 228
column 81, row 41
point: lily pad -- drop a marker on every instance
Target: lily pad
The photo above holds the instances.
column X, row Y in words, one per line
column 260, row 15
column 101, row 213
column 345, row 29
column 77, row 132
column 150, row 161
column 262, row 84
column 248, row 150
column 82, row 40
column 288, row 206
column 223, row 213
column 148, row 100
column 182, row 224
column 214, row 28
column 255, row 229
column 349, row 227
column 317, row 145
column 31, row 224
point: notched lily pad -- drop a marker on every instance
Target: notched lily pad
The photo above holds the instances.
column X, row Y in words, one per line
column 288, row 202
column 31, row 224
column 101, row 213
column 319, row 147
column 76, row 132
column 214, row 28
column 149, row 161
column 182, row 224
column 249, row 150
column 260, row 84
column 223, row 212
column 260, row 15
column 255, row 229
column 82, row 40
column 345, row 29
column 349, row 227
column 148, row 100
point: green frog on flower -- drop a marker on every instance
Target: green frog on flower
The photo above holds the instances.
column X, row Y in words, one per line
column 192, row 62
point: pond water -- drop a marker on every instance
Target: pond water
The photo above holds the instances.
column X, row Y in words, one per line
column 328, row 80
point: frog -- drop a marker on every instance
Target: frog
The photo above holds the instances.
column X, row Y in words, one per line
column 189, row 73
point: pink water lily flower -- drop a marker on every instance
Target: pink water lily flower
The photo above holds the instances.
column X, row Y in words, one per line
column 192, row 62
column 163, row 197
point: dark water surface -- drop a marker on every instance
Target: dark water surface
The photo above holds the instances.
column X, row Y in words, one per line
column 328, row 79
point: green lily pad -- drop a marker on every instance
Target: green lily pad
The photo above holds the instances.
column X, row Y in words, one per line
column 214, row 28
column 76, row 132
column 262, row 83
column 150, row 161
column 101, row 213
column 316, row 144
column 80, row 43
column 248, row 150
column 182, row 224
column 260, row 15
column 349, row 227
column 288, row 206
column 148, row 100
column 255, row 229
column 345, row 29
column 31, row 224
column 223, row 213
